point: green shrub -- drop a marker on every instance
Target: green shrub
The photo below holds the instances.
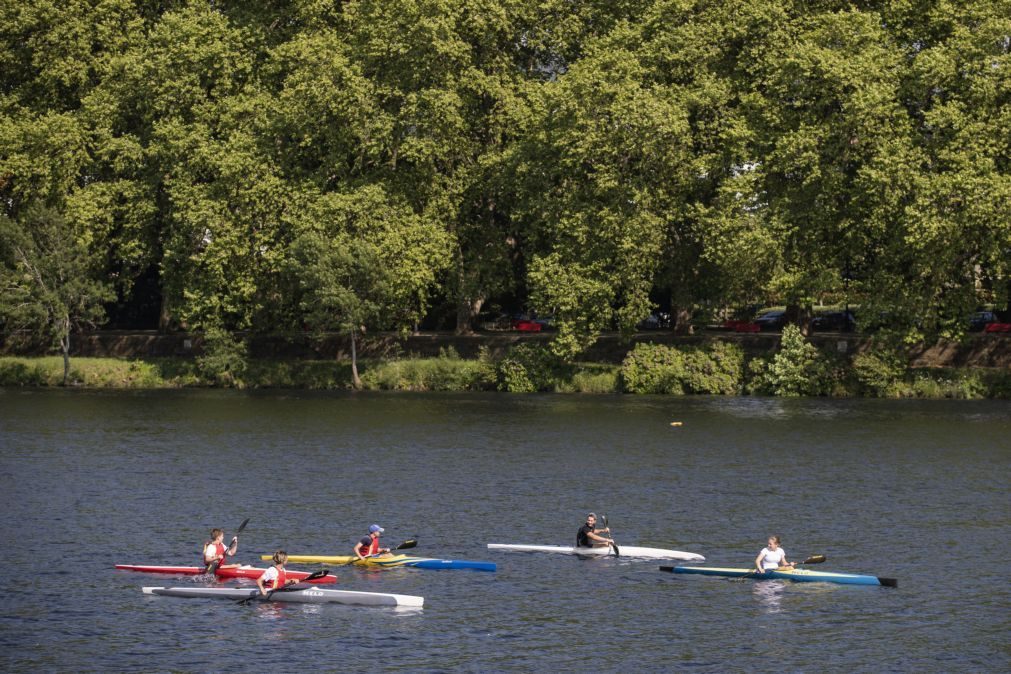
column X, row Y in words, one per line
column 656, row 368
column 879, row 370
column 528, row 368
column 447, row 372
column 592, row 379
column 223, row 361
column 797, row 369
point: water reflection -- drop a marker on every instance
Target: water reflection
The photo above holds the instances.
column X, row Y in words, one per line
column 769, row 594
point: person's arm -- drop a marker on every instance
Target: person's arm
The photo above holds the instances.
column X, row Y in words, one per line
column 233, row 547
column 593, row 535
column 758, row 561
column 786, row 563
column 259, row 583
column 357, row 549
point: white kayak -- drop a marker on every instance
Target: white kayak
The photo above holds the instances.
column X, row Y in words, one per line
column 312, row 595
column 624, row 550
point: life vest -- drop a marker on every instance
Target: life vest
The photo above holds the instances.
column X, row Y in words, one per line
column 369, row 549
column 282, row 578
column 219, row 551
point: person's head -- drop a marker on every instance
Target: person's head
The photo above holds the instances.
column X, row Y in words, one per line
column 591, row 519
column 773, row 542
column 375, row 530
column 280, row 557
column 217, row 534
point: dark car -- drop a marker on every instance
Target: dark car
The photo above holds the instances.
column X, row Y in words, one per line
column 771, row 320
column 979, row 320
column 834, row 321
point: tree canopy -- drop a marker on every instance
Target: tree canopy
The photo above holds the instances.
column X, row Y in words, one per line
column 230, row 165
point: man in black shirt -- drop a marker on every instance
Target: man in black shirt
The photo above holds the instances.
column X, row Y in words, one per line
column 588, row 536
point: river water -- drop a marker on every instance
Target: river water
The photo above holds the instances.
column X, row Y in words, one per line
column 917, row 491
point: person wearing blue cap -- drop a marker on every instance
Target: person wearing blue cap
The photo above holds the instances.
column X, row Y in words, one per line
column 369, row 545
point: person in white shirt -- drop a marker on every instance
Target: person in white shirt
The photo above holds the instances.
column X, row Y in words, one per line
column 771, row 557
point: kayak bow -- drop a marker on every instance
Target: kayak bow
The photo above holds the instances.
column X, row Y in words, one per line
column 392, row 561
column 304, row 596
column 234, row 572
column 603, row 551
column 796, row 575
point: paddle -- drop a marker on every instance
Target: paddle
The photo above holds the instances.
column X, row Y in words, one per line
column 286, row 588
column 409, row 543
column 213, row 568
column 614, row 545
column 813, row 559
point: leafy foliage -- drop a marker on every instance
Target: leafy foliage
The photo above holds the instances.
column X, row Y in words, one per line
column 716, row 369
column 797, row 369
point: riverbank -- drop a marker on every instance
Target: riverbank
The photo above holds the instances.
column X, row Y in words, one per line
column 449, row 372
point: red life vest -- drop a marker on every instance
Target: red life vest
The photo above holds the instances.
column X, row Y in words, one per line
column 371, row 548
column 219, row 551
column 282, row 578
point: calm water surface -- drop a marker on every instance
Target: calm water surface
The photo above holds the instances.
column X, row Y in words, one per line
column 912, row 490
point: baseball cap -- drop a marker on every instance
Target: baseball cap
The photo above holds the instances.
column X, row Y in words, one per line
column 374, row 528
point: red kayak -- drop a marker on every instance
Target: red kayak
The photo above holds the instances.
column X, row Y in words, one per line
column 233, row 572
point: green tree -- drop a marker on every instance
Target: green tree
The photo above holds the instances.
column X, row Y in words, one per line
column 47, row 279
column 366, row 261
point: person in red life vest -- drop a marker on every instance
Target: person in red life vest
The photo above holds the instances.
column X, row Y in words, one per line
column 369, row 545
column 275, row 577
column 215, row 551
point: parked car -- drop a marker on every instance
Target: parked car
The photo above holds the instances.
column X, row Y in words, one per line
column 771, row 320
column 997, row 327
column 655, row 321
column 527, row 325
column 979, row 320
column 834, row 321
column 739, row 325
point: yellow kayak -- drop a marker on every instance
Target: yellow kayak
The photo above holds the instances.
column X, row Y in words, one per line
column 389, row 561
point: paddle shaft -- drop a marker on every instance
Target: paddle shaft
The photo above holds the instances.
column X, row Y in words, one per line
column 614, row 545
column 409, row 543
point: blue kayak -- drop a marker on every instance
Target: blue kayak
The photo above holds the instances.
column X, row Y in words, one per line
column 796, row 575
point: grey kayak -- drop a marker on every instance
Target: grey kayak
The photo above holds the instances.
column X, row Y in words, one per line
column 301, row 596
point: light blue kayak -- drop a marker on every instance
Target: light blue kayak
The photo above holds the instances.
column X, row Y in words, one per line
column 796, row 575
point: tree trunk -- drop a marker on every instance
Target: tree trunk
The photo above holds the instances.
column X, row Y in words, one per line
column 467, row 310
column 799, row 316
column 356, row 380
column 65, row 347
column 681, row 317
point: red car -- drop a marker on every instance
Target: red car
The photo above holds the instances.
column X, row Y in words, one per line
column 526, row 325
column 997, row 327
column 740, row 326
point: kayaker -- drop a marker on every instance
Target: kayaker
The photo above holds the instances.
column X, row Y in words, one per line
column 215, row 551
column 589, row 537
column 771, row 557
column 275, row 576
column 369, row 545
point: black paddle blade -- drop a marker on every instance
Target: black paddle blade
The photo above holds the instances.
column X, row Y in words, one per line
column 814, row 559
column 241, row 527
column 669, row 569
column 614, row 546
column 409, row 543
column 315, row 574
column 889, row 582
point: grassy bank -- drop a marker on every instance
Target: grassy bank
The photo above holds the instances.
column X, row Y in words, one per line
column 693, row 374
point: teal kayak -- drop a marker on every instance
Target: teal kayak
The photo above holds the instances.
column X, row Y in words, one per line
column 796, row 575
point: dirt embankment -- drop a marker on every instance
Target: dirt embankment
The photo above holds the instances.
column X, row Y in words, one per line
column 989, row 350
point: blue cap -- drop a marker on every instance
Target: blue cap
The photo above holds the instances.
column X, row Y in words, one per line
column 374, row 528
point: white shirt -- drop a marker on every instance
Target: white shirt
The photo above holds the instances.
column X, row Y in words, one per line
column 269, row 576
column 772, row 558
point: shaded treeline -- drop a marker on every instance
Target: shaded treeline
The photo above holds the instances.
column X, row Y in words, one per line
column 278, row 166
